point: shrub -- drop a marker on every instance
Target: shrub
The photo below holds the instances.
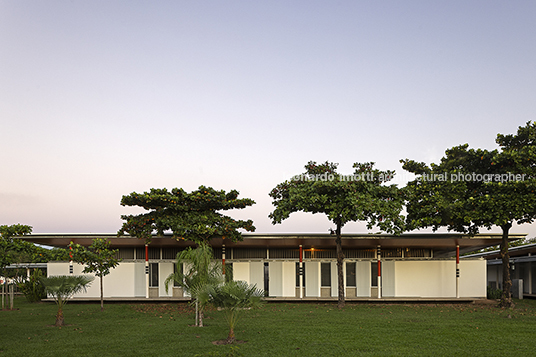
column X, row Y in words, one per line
column 32, row 288
column 494, row 294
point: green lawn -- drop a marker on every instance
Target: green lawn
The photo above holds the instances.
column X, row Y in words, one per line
column 275, row 329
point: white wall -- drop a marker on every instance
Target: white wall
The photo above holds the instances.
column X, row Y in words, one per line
column 282, row 279
column 312, row 279
column 425, row 278
column 121, row 282
column 388, row 279
column 241, row 271
column 256, row 274
column 363, row 278
column 473, row 278
column 165, row 270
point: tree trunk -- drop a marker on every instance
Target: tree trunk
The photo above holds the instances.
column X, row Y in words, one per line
column 506, row 297
column 340, row 260
column 101, row 296
column 196, row 312
column 11, row 295
column 59, row 318
column 3, row 296
column 231, row 337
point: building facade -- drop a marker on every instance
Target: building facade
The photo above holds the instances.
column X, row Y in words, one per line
column 299, row 266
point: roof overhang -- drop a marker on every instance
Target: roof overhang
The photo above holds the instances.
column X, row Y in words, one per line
column 444, row 244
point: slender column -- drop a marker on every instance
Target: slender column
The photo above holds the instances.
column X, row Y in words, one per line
column 146, row 271
column 379, row 272
column 457, row 271
column 301, row 272
column 70, row 260
column 223, row 258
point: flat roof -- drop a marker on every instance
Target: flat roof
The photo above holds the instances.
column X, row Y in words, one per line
column 519, row 251
column 442, row 243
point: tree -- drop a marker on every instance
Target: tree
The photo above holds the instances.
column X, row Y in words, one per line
column 98, row 258
column 195, row 271
column 358, row 197
column 475, row 188
column 233, row 297
column 62, row 288
column 192, row 216
column 7, row 249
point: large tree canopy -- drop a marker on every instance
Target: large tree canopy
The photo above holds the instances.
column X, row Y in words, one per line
column 361, row 196
column 472, row 189
column 194, row 216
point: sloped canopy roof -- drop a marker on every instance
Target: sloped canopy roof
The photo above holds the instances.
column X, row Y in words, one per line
column 443, row 244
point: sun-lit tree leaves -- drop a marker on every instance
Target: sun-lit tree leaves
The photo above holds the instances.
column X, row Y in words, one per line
column 194, row 216
column 360, row 196
column 470, row 189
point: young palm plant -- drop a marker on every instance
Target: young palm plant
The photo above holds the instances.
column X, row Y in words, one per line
column 232, row 297
column 62, row 288
column 200, row 272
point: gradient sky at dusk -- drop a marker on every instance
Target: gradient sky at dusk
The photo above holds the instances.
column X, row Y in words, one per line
column 102, row 98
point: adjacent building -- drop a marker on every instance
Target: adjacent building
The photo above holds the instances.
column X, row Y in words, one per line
column 522, row 269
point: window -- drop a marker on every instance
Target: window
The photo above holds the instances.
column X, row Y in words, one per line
column 140, row 253
column 153, row 275
column 170, row 253
column 374, row 273
column 298, row 274
column 350, row 274
column 154, row 253
column 325, row 274
column 125, row 253
column 249, row 253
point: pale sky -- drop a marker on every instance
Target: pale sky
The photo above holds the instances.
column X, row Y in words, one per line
column 102, row 98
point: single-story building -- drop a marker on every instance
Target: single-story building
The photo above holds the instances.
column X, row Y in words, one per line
column 376, row 266
column 522, row 268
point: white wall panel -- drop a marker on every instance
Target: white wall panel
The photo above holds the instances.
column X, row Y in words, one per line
column 276, row 278
column 363, row 278
column 312, row 279
column 425, row 278
column 256, row 274
column 388, row 279
column 473, row 278
column 164, row 270
column 241, row 271
column 289, row 279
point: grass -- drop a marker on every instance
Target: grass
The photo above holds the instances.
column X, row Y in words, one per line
column 275, row 329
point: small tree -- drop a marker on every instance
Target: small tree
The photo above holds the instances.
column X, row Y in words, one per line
column 62, row 288
column 98, row 258
column 201, row 272
column 362, row 196
column 233, row 297
column 7, row 248
column 32, row 287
